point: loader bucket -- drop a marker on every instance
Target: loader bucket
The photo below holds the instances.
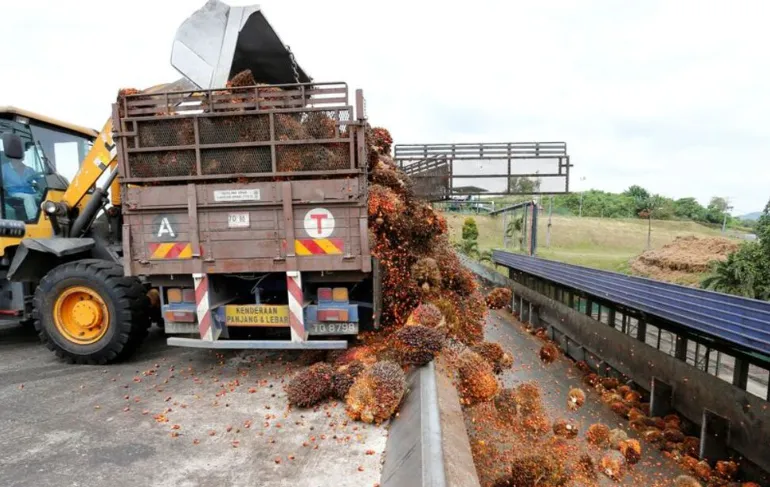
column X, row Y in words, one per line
column 219, row 41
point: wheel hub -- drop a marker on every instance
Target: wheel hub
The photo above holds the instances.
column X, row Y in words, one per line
column 81, row 315
column 87, row 314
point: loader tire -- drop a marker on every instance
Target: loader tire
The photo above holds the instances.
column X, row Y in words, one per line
column 87, row 312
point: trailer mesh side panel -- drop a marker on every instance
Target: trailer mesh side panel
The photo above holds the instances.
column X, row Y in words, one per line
column 246, row 132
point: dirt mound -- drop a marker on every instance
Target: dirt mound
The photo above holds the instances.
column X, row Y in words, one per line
column 683, row 260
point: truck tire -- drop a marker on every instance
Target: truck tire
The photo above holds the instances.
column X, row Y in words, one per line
column 87, row 312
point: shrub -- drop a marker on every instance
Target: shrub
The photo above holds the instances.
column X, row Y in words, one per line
column 470, row 231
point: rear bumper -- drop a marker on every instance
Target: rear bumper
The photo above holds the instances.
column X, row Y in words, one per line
column 258, row 344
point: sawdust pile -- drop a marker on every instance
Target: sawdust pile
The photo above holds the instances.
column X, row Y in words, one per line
column 683, row 260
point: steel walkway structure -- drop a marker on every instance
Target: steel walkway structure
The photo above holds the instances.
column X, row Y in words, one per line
column 697, row 321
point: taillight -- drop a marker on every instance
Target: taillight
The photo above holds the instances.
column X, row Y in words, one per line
column 340, row 294
column 188, row 295
column 174, row 295
column 324, row 294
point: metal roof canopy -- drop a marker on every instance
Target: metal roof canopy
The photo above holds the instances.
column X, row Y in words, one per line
column 740, row 321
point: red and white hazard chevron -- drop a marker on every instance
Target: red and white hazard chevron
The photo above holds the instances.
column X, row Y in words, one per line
column 203, row 309
column 296, row 313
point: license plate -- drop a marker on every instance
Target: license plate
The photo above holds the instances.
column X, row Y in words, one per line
column 238, row 220
column 332, row 328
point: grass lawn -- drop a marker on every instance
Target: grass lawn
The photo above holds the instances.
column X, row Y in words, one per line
column 601, row 243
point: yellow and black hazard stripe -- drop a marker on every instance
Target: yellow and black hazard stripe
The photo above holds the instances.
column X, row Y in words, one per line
column 319, row 246
column 179, row 250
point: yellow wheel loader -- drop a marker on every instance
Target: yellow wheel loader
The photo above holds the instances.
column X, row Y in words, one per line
column 61, row 241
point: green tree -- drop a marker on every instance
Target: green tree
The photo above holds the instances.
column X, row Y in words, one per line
column 763, row 230
column 746, row 272
column 639, row 196
column 633, row 202
column 470, row 230
column 716, row 211
column 524, row 185
column 689, row 209
column 647, row 209
column 665, row 208
column 514, row 230
column 719, row 203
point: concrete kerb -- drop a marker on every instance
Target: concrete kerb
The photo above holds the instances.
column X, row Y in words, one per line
column 428, row 445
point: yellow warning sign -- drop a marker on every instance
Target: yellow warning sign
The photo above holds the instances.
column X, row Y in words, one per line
column 256, row 315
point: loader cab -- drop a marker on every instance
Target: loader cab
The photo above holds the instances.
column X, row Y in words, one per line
column 51, row 151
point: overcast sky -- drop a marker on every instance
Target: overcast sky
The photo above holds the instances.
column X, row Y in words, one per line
column 671, row 95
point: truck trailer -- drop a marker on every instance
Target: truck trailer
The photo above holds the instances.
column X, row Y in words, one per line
column 246, row 209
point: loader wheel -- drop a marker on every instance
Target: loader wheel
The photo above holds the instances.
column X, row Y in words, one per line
column 87, row 312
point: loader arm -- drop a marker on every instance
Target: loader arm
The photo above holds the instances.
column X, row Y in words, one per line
column 100, row 159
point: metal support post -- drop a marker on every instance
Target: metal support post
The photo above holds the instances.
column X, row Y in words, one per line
column 714, row 435
column 641, row 330
column 533, row 316
column 661, row 398
column 680, row 351
column 741, row 373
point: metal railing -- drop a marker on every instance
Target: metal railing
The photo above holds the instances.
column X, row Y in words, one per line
column 726, row 336
column 546, row 168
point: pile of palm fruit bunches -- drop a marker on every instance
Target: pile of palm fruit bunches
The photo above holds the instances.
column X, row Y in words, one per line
column 432, row 304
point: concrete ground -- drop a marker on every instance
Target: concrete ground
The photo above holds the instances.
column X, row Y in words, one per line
column 555, row 380
column 171, row 417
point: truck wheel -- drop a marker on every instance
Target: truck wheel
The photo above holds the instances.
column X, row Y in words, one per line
column 87, row 312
